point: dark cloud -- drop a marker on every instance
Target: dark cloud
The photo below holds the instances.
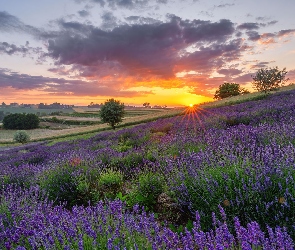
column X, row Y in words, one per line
column 224, row 5
column 61, row 86
column 83, row 13
column 198, row 30
column 128, row 4
column 259, row 65
column 146, row 50
column 109, row 21
column 254, row 26
column 10, row 23
column 286, row 32
column 24, row 50
column 230, row 72
column 141, row 20
column 268, row 38
column 253, row 35
column 10, row 49
column 271, row 22
column 248, row 26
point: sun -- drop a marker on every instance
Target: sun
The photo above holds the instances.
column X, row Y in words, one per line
column 191, row 105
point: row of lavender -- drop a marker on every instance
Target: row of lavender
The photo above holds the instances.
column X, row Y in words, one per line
column 237, row 159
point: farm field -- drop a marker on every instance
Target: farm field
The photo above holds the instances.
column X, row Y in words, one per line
column 212, row 178
column 57, row 130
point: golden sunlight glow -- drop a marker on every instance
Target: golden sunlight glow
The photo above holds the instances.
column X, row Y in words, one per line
column 169, row 97
column 173, row 97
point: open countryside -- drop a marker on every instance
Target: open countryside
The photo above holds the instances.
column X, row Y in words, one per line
column 147, row 125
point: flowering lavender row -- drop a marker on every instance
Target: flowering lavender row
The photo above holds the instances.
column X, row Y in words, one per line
column 239, row 157
column 27, row 222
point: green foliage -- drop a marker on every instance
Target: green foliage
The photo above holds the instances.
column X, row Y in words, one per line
column 150, row 185
column 21, row 136
column 228, row 89
column 110, row 183
column 21, row 121
column 112, row 112
column 269, row 79
column 71, row 184
column 235, row 189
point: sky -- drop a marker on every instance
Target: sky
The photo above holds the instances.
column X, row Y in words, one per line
column 165, row 52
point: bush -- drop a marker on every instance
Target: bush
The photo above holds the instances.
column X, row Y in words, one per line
column 150, row 186
column 71, row 184
column 21, row 121
column 21, row 136
column 110, row 182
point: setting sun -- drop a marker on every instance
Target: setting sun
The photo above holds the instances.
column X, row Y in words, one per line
column 191, row 105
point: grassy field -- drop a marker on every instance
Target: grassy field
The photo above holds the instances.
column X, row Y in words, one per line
column 134, row 117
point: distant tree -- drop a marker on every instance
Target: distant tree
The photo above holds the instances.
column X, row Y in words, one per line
column 228, row 89
column 3, row 104
column 269, row 79
column 21, row 121
column 112, row 112
column 146, row 104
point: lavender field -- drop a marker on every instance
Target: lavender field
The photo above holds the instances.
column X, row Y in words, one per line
column 214, row 178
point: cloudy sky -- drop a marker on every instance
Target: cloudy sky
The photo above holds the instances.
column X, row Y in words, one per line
column 166, row 52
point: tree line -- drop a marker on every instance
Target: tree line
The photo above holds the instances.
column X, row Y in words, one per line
column 265, row 80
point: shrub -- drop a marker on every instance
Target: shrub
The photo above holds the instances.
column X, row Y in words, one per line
column 70, row 184
column 110, row 182
column 21, row 136
column 21, row 121
column 150, row 185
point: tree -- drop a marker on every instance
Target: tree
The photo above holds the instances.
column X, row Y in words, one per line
column 269, row 79
column 21, row 121
column 228, row 89
column 112, row 112
column 146, row 104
